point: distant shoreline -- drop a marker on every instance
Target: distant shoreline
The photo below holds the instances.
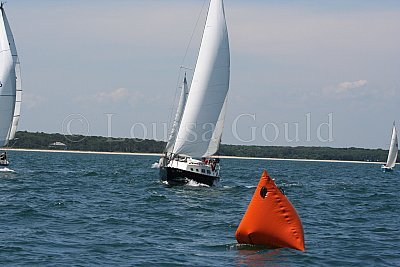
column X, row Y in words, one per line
column 158, row 155
column 133, row 146
column 80, row 152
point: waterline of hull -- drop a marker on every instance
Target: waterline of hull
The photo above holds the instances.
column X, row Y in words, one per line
column 176, row 176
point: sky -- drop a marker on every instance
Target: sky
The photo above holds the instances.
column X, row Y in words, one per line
column 303, row 73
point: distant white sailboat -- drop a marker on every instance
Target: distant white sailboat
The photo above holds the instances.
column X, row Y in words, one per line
column 10, row 85
column 197, row 128
column 393, row 151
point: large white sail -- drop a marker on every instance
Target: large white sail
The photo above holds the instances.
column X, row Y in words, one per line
column 7, row 82
column 18, row 86
column 178, row 117
column 393, row 149
column 208, row 90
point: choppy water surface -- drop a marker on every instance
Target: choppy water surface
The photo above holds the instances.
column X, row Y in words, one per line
column 60, row 209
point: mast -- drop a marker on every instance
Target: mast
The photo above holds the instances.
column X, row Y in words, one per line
column 199, row 125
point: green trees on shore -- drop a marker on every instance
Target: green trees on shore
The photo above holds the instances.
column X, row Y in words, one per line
column 31, row 140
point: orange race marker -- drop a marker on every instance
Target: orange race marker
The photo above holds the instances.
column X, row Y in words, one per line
column 270, row 219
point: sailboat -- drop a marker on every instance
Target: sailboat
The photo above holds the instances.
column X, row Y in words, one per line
column 197, row 128
column 393, row 151
column 10, row 85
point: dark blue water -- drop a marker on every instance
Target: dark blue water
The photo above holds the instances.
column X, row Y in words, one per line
column 61, row 209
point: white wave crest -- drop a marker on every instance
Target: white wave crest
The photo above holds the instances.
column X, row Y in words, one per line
column 6, row 170
column 155, row 165
column 195, row 184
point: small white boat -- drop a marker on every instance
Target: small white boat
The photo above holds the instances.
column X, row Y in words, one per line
column 197, row 128
column 393, row 151
column 4, row 163
column 3, row 159
column 10, row 85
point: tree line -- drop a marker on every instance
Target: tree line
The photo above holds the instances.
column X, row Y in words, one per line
column 39, row 140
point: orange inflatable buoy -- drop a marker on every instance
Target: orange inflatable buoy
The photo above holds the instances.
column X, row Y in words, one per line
column 270, row 219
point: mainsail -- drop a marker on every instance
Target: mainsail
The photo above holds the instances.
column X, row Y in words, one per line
column 18, row 86
column 7, row 80
column 393, row 149
column 178, row 117
column 199, row 131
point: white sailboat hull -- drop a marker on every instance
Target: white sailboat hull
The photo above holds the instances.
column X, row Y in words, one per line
column 384, row 168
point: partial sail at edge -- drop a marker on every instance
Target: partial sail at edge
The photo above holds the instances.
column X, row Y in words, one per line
column 18, row 101
column 393, row 149
column 18, row 85
column 7, row 80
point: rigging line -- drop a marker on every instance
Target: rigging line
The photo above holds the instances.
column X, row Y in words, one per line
column 194, row 30
column 182, row 67
column 13, row 144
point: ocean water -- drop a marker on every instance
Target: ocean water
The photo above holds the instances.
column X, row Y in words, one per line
column 60, row 209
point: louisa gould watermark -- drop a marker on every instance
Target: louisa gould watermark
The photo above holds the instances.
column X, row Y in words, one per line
column 244, row 128
column 75, row 127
